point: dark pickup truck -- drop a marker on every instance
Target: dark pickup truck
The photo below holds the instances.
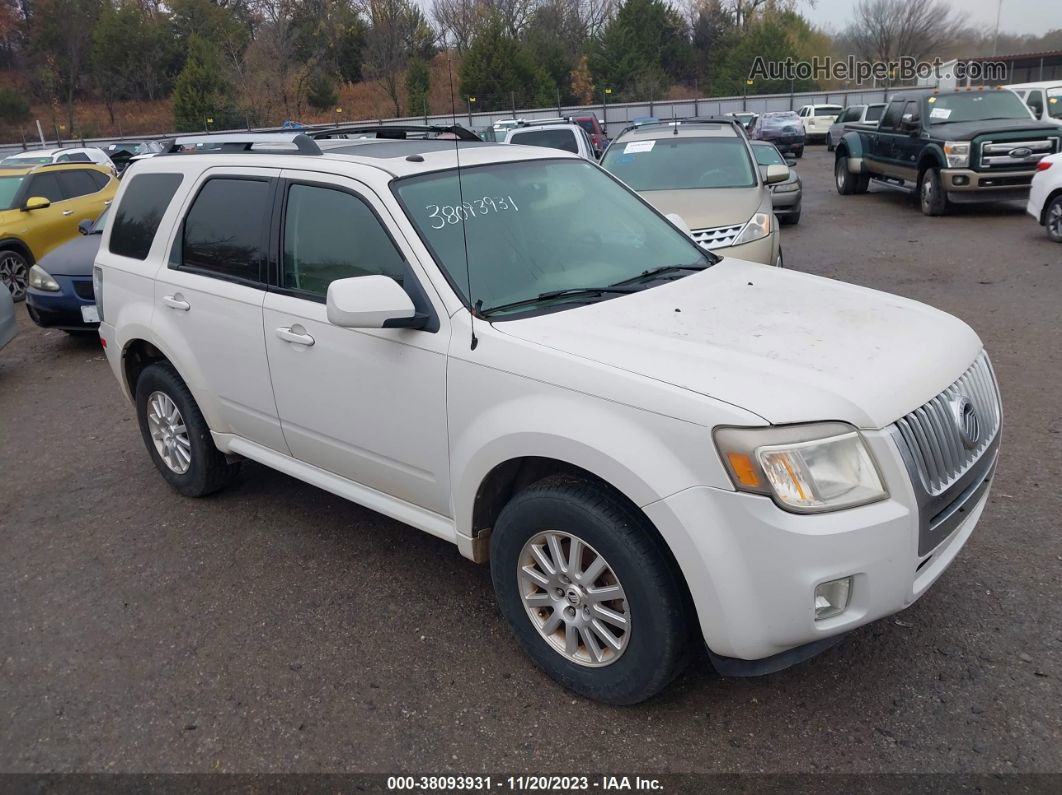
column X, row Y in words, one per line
column 953, row 146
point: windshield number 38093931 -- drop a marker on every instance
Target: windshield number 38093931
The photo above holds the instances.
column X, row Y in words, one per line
column 449, row 214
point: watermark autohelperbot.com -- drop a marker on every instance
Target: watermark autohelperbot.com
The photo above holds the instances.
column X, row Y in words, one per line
column 904, row 69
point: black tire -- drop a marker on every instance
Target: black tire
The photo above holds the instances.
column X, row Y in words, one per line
column 14, row 273
column 931, row 196
column 1053, row 219
column 799, row 153
column 829, row 145
column 848, row 183
column 208, row 470
column 658, row 641
column 790, row 220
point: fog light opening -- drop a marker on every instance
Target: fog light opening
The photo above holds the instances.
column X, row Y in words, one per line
column 831, row 598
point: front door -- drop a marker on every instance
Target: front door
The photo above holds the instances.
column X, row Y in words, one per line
column 366, row 404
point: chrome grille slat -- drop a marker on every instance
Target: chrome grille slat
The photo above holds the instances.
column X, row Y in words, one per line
column 998, row 154
column 717, row 236
column 932, row 436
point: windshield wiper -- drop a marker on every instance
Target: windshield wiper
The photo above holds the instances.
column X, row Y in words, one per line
column 568, row 292
column 661, row 269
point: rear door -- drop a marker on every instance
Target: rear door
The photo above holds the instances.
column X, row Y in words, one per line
column 209, row 296
column 83, row 188
column 882, row 150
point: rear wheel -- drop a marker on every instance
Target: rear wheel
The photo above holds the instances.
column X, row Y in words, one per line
column 1053, row 219
column 588, row 591
column 14, row 273
column 176, row 435
column 799, row 153
column 847, row 182
column 931, row 195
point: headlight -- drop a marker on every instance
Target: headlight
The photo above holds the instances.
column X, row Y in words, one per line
column 759, row 225
column 785, row 187
column 805, row 468
column 39, row 279
column 958, row 153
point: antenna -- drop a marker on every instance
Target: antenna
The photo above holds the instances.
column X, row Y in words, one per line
column 473, row 305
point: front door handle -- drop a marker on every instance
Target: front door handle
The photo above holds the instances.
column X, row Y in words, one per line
column 296, row 335
column 176, row 301
column 68, row 212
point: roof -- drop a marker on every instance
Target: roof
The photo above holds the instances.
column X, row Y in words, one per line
column 10, row 171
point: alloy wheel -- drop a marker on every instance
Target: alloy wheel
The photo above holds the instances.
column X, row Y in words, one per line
column 574, row 599
column 14, row 273
column 838, row 172
column 168, row 432
column 1054, row 221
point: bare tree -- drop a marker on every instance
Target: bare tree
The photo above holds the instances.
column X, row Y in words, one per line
column 398, row 32
column 458, row 20
column 885, row 30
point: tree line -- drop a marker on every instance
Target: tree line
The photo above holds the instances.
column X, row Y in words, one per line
column 227, row 63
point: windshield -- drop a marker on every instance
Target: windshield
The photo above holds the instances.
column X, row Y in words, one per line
column 1054, row 102
column 767, row 155
column 874, row 112
column 680, row 163
column 18, row 161
column 828, row 110
column 537, row 226
column 8, row 188
column 979, row 106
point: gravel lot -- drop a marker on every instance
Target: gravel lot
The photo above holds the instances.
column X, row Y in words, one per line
column 274, row 627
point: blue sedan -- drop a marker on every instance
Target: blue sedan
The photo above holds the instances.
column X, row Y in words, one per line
column 60, row 293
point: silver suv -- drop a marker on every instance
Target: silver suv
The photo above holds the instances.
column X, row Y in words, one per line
column 704, row 172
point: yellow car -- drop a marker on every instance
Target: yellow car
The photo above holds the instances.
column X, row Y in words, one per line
column 41, row 207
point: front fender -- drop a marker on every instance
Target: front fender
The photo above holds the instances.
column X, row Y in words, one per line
column 932, row 157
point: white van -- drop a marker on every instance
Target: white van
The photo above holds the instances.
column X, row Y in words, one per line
column 1044, row 99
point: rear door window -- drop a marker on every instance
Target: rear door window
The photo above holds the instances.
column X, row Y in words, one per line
column 874, row 112
column 892, row 116
column 137, row 217
column 76, row 183
column 552, row 139
column 225, row 233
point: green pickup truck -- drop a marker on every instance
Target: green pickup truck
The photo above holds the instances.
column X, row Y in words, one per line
column 956, row 146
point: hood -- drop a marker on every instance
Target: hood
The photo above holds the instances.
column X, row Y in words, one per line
column 787, row 346
column 967, row 130
column 73, row 258
column 704, row 208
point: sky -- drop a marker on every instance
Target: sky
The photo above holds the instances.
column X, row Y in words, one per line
column 1019, row 16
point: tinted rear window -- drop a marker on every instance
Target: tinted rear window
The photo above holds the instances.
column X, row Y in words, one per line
column 874, row 112
column 137, row 218
column 828, row 110
column 551, row 139
column 77, row 183
column 225, row 231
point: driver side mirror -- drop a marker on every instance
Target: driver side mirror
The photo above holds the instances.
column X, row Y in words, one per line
column 85, row 227
column 776, row 173
column 371, row 302
column 36, row 203
column 910, row 125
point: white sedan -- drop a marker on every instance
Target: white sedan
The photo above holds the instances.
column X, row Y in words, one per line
column 1045, row 196
column 67, row 154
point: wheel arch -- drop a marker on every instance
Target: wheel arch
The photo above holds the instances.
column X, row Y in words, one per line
column 1056, row 193
column 931, row 157
column 16, row 244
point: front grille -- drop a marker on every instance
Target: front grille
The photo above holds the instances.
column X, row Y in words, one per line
column 83, row 288
column 997, row 154
column 716, row 237
column 932, row 436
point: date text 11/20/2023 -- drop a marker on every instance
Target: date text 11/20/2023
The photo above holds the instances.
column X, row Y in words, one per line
column 528, row 783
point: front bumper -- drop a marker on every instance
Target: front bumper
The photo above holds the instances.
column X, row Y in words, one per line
column 765, row 250
column 786, row 203
column 752, row 568
column 62, row 310
column 967, row 185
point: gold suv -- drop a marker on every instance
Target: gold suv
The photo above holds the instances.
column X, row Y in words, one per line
column 41, row 207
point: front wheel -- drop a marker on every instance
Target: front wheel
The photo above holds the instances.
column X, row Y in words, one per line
column 931, row 195
column 589, row 592
column 799, row 153
column 177, row 436
column 1053, row 219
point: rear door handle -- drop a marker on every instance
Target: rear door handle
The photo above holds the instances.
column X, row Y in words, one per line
column 296, row 335
column 176, row 301
column 68, row 212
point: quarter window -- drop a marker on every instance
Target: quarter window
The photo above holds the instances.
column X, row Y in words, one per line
column 330, row 234
column 226, row 229
column 139, row 213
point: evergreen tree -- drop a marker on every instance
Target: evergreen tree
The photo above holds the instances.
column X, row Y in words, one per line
column 645, row 47
column 499, row 71
column 418, row 82
column 201, row 91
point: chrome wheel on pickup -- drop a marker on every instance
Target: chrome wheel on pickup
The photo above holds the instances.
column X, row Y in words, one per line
column 931, row 194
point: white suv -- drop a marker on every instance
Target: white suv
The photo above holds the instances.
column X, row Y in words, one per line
column 818, row 119
column 648, row 443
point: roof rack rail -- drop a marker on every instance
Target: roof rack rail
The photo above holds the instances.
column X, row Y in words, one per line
column 245, row 142
column 398, row 132
column 683, row 120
